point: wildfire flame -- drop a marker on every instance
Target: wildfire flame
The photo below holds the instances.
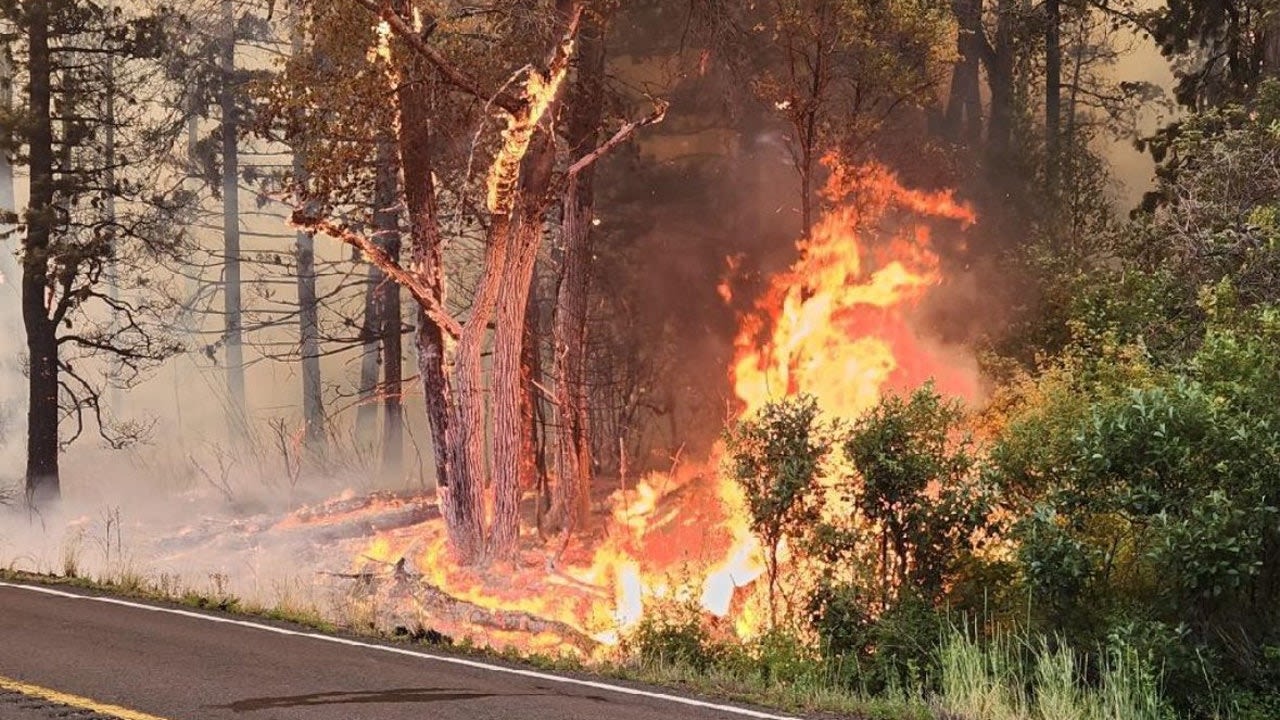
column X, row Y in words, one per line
column 837, row 325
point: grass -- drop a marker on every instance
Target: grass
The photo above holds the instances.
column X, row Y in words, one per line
column 166, row 590
column 1012, row 678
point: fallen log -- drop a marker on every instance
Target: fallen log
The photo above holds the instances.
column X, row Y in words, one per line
column 432, row 597
column 441, row 607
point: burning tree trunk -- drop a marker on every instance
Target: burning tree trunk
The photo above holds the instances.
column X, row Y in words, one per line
column 573, row 446
column 521, row 184
column 460, row 498
column 518, row 189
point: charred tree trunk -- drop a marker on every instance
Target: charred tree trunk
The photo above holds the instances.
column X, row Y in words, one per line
column 999, row 63
column 42, row 482
column 573, row 446
column 1052, row 95
column 387, row 223
column 964, row 104
column 234, row 330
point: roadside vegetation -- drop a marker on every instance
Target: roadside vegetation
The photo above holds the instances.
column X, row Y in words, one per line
column 1099, row 539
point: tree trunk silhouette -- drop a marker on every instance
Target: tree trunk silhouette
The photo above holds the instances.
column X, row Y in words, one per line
column 387, row 223
column 370, row 331
column 1052, row 95
column 234, row 329
column 42, row 481
column 308, row 311
column 998, row 58
column 964, row 103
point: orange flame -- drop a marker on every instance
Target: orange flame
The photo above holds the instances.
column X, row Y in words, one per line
column 837, row 325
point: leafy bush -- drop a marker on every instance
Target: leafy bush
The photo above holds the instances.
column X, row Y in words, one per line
column 913, row 483
column 1156, row 508
column 777, row 458
column 674, row 636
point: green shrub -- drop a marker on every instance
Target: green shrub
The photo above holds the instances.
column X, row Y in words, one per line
column 674, row 636
column 777, row 457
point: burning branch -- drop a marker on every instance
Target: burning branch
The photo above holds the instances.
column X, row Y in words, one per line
column 452, row 75
column 541, row 93
column 623, row 134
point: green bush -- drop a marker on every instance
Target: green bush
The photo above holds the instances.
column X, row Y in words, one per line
column 1156, row 508
column 674, row 636
column 777, row 457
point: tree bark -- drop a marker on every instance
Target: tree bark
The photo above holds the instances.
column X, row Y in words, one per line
column 464, row 499
column 509, row 429
column 573, row 444
column 460, row 492
column 387, row 223
column 234, row 329
column 964, row 105
column 526, row 207
column 1052, row 94
column 42, row 481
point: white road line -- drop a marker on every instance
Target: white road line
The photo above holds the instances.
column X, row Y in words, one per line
column 744, row 712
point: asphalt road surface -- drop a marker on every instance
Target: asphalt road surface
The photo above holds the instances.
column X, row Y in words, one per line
column 70, row 655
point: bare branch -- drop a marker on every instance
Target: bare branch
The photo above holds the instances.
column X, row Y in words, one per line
column 394, row 270
column 623, row 134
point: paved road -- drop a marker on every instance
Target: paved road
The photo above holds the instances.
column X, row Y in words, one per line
column 179, row 665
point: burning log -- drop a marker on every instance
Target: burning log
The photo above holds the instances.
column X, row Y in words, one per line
column 454, row 612
column 370, row 517
column 460, row 612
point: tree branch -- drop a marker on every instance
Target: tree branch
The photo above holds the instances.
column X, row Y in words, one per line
column 447, row 70
column 394, row 270
column 623, row 134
